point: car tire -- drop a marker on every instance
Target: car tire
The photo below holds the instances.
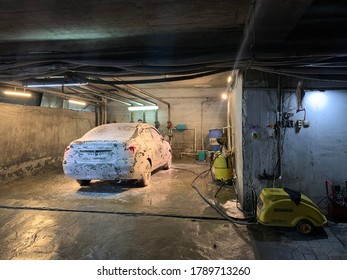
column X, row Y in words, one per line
column 146, row 176
column 304, row 227
column 84, row 182
column 167, row 166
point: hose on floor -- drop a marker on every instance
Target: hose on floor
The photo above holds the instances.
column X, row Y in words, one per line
column 214, row 203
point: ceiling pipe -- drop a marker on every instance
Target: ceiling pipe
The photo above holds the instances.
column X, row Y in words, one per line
column 150, row 81
column 181, row 78
column 133, row 94
column 130, row 93
column 121, row 100
column 127, row 100
column 149, row 95
column 103, row 96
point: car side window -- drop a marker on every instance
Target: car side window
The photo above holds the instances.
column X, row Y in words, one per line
column 156, row 135
column 146, row 135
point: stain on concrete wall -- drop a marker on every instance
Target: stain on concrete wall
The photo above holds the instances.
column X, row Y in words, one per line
column 34, row 138
column 259, row 147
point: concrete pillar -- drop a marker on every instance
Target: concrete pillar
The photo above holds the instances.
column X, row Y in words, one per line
column 236, row 132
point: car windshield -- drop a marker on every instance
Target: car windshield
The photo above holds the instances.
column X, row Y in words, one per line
column 110, row 132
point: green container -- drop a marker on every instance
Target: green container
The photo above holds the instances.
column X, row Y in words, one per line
column 201, row 155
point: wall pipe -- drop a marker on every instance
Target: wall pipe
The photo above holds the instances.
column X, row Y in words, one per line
column 229, row 119
column 201, row 124
column 230, row 87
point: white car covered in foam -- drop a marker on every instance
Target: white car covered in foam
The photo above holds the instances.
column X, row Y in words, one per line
column 117, row 151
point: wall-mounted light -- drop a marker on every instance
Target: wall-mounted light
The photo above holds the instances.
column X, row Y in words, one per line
column 224, row 96
column 17, row 93
column 71, row 101
column 142, row 108
column 56, row 85
column 317, row 100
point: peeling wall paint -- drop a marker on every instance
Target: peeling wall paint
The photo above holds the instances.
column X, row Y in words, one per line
column 33, row 139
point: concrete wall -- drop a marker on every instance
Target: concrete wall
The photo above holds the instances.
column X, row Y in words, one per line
column 202, row 111
column 34, row 138
column 259, row 150
column 309, row 155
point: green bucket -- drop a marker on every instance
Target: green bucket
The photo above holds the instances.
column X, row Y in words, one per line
column 201, row 155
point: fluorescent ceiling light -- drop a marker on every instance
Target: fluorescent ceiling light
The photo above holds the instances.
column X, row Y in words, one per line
column 56, row 85
column 18, row 93
column 142, row 108
column 77, row 102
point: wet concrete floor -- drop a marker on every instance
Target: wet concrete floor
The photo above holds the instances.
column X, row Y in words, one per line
column 49, row 216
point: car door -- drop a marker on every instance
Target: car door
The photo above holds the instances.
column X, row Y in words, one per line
column 158, row 147
column 150, row 147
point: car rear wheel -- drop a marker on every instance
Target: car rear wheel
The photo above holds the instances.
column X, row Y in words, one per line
column 84, row 182
column 146, row 176
column 304, row 227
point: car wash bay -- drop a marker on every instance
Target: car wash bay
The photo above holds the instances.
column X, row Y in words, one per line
column 49, row 216
column 45, row 215
column 67, row 68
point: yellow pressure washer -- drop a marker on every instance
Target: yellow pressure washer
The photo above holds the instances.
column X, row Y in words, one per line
column 281, row 207
column 222, row 162
column 288, row 208
column 222, row 169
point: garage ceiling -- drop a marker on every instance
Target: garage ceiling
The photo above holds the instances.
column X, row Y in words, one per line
column 109, row 44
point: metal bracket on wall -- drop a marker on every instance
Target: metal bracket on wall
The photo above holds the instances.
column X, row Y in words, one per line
column 286, row 120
